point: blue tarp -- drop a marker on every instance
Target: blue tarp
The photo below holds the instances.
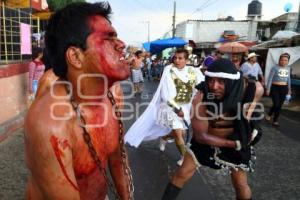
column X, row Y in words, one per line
column 157, row 46
column 146, row 46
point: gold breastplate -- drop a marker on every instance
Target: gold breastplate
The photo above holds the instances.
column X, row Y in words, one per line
column 184, row 90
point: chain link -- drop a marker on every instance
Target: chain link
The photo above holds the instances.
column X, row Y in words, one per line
column 126, row 167
column 88, row 140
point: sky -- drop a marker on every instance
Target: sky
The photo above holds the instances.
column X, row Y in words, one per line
column 131, row 17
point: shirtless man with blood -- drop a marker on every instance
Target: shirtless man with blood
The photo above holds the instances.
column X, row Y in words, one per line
column 73, row 132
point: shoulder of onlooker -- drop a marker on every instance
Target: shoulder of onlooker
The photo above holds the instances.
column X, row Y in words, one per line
column 32, row 63
column 245, row 64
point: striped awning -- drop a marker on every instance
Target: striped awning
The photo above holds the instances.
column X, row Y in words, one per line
column 35, row 4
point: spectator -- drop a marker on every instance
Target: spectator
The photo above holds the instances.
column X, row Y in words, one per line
column 137, row 74
column 278, row 86
column 36, row 69
column 252, row 68
column 156, row 69
column 236, row 58
column 148, row 64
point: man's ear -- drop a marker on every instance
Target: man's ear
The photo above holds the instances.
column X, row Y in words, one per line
column 74, row 56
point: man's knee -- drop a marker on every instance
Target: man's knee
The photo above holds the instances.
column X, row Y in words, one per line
column 240, row 184
column 184, row 175
column 178, row 132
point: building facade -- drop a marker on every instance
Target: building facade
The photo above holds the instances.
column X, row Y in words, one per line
column 212, row 30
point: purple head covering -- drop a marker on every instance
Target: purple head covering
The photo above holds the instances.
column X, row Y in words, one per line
column 208, row 60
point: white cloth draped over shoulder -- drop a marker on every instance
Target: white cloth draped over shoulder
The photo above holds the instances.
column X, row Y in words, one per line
column 149, row 125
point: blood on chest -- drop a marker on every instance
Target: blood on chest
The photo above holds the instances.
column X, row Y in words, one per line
column 105, row 139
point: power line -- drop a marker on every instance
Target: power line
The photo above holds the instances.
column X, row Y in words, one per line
column 210, row 4
column 203, row 6
column 200, row 7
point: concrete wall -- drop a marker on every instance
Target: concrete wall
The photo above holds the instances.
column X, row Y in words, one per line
column 13, row 96
column 211, row 31
column 181, row 30
column 13, row 90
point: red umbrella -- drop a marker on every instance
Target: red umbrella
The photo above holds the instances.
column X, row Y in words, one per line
column 233, row 47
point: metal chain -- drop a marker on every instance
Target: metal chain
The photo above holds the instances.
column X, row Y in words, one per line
column 88, row 140
column 126, row 167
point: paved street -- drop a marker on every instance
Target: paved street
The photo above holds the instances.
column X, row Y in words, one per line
column 276, row 176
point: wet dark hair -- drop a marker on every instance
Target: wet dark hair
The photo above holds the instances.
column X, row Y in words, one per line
column 284, row 55
column 35, row 52
column 181, row 50
column 138, row 53
column 69, row 27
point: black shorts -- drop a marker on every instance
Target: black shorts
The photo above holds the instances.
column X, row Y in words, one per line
column 218, row 158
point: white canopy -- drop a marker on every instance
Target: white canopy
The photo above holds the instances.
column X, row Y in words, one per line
column 284, row 35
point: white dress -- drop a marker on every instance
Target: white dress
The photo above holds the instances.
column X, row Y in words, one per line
column 159, row 119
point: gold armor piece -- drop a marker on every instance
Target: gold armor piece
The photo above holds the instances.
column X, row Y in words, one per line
column 184, row 90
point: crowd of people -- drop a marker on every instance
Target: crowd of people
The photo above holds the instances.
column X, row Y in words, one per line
column 145, row 66
column 68, row 152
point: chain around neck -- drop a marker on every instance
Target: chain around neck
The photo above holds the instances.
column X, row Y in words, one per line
column 93, row 152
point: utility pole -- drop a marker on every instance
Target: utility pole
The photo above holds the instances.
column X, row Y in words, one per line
column 148, row 23
column 174, row 20
column 298, row 24
column 148, row 28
